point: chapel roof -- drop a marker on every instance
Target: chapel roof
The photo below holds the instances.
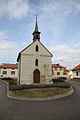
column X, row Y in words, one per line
column 37, row 33
column 29, row 46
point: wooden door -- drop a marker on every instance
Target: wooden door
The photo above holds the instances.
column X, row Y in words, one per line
column 36, row 76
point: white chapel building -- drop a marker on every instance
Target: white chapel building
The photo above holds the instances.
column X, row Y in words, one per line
column 34, row 62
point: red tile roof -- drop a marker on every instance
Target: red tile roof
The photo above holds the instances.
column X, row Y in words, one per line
column 9, row 66
column 59, row 66
column 56, row 66
column 76, row 68
column 66, row 69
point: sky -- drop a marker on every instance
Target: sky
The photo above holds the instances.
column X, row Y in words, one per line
column 58, row 22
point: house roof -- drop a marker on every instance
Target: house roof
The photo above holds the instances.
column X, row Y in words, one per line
column 15, row 66
column 56, row 66
column 76, row 68
column 30, row 45
column 59, row 66
column 65, row 69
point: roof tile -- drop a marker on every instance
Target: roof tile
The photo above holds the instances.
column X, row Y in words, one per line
column 76, row 68
column 9, row 66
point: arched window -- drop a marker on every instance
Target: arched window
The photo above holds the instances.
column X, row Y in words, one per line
column 36, row 62
column 37, row 48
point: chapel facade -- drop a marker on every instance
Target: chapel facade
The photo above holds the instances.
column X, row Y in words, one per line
column 34, row 62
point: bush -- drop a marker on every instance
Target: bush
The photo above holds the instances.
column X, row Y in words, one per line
column 10, row 81
column 6, row 78
column 20, row 87
column 57, row 80
column 62, row 78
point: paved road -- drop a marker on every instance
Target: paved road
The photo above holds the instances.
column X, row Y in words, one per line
column 67, row 108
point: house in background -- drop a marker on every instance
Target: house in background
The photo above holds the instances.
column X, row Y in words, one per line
column 8, row 71
column 59, row 71
column 76, row 72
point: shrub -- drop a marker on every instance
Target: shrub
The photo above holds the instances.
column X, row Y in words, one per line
column 20, row 87
column 57, row 80
column 6, row 78
column 10, row 81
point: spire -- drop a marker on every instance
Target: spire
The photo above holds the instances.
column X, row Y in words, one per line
column 36, row 25
column 36, row 33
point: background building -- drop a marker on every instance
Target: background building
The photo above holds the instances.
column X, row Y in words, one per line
column 8, row 71
column 76, row 71
column 59, row 71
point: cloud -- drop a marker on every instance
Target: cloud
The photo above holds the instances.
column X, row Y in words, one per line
column 7, row 48
column 14, row 8
column 3, row 35
column 65, row 49
column 54, row 15
column 77, row 45
column 66, row 55
column 61, row 6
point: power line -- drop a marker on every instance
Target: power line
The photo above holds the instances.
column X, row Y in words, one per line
column 68, row 59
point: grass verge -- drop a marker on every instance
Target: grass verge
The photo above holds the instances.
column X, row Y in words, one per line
column 76, row 80
column 39, row 92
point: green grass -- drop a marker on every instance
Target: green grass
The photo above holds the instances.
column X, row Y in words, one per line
column 76, row 80
column 39, row 92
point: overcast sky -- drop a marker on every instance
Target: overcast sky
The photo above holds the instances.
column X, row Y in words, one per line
column 59, row 24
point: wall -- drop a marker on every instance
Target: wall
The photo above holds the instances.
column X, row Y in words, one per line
column 28, row 58
column 8, row 73
column 75, row 75
column 61, row 71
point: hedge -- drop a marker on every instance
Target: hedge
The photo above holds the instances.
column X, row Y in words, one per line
column 20, row 87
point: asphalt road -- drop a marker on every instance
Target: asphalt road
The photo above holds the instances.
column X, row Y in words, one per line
column 67, row 108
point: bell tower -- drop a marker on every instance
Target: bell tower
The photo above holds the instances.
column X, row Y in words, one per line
column 36, row 33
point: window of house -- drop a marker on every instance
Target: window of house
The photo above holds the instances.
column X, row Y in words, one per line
column 52, row 72
column 12, row 68
column 4, row 68
column 12, row 72
column 36, row 62
column 4, row 72
column 64, row 73
column 55, row 68
column 58, row 73
column 60, row 68
column 37, row 48
column 77, row 73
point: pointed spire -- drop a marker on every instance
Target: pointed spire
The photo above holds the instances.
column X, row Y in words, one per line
column 36, row 25
column 36, row 33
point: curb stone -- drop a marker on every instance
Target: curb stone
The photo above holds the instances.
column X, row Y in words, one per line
column 39, row 99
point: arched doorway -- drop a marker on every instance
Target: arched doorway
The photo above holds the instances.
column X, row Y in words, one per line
column 36, row 76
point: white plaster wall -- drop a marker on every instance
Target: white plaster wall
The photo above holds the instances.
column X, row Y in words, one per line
column 61, row 73
column 74, row 74
column 28, row 64
column 31, row 48
column 8, row 72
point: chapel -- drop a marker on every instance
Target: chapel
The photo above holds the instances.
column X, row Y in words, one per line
column 34, row 62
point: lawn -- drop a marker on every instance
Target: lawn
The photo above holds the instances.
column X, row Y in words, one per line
column 39, row 92
column 76, row 80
